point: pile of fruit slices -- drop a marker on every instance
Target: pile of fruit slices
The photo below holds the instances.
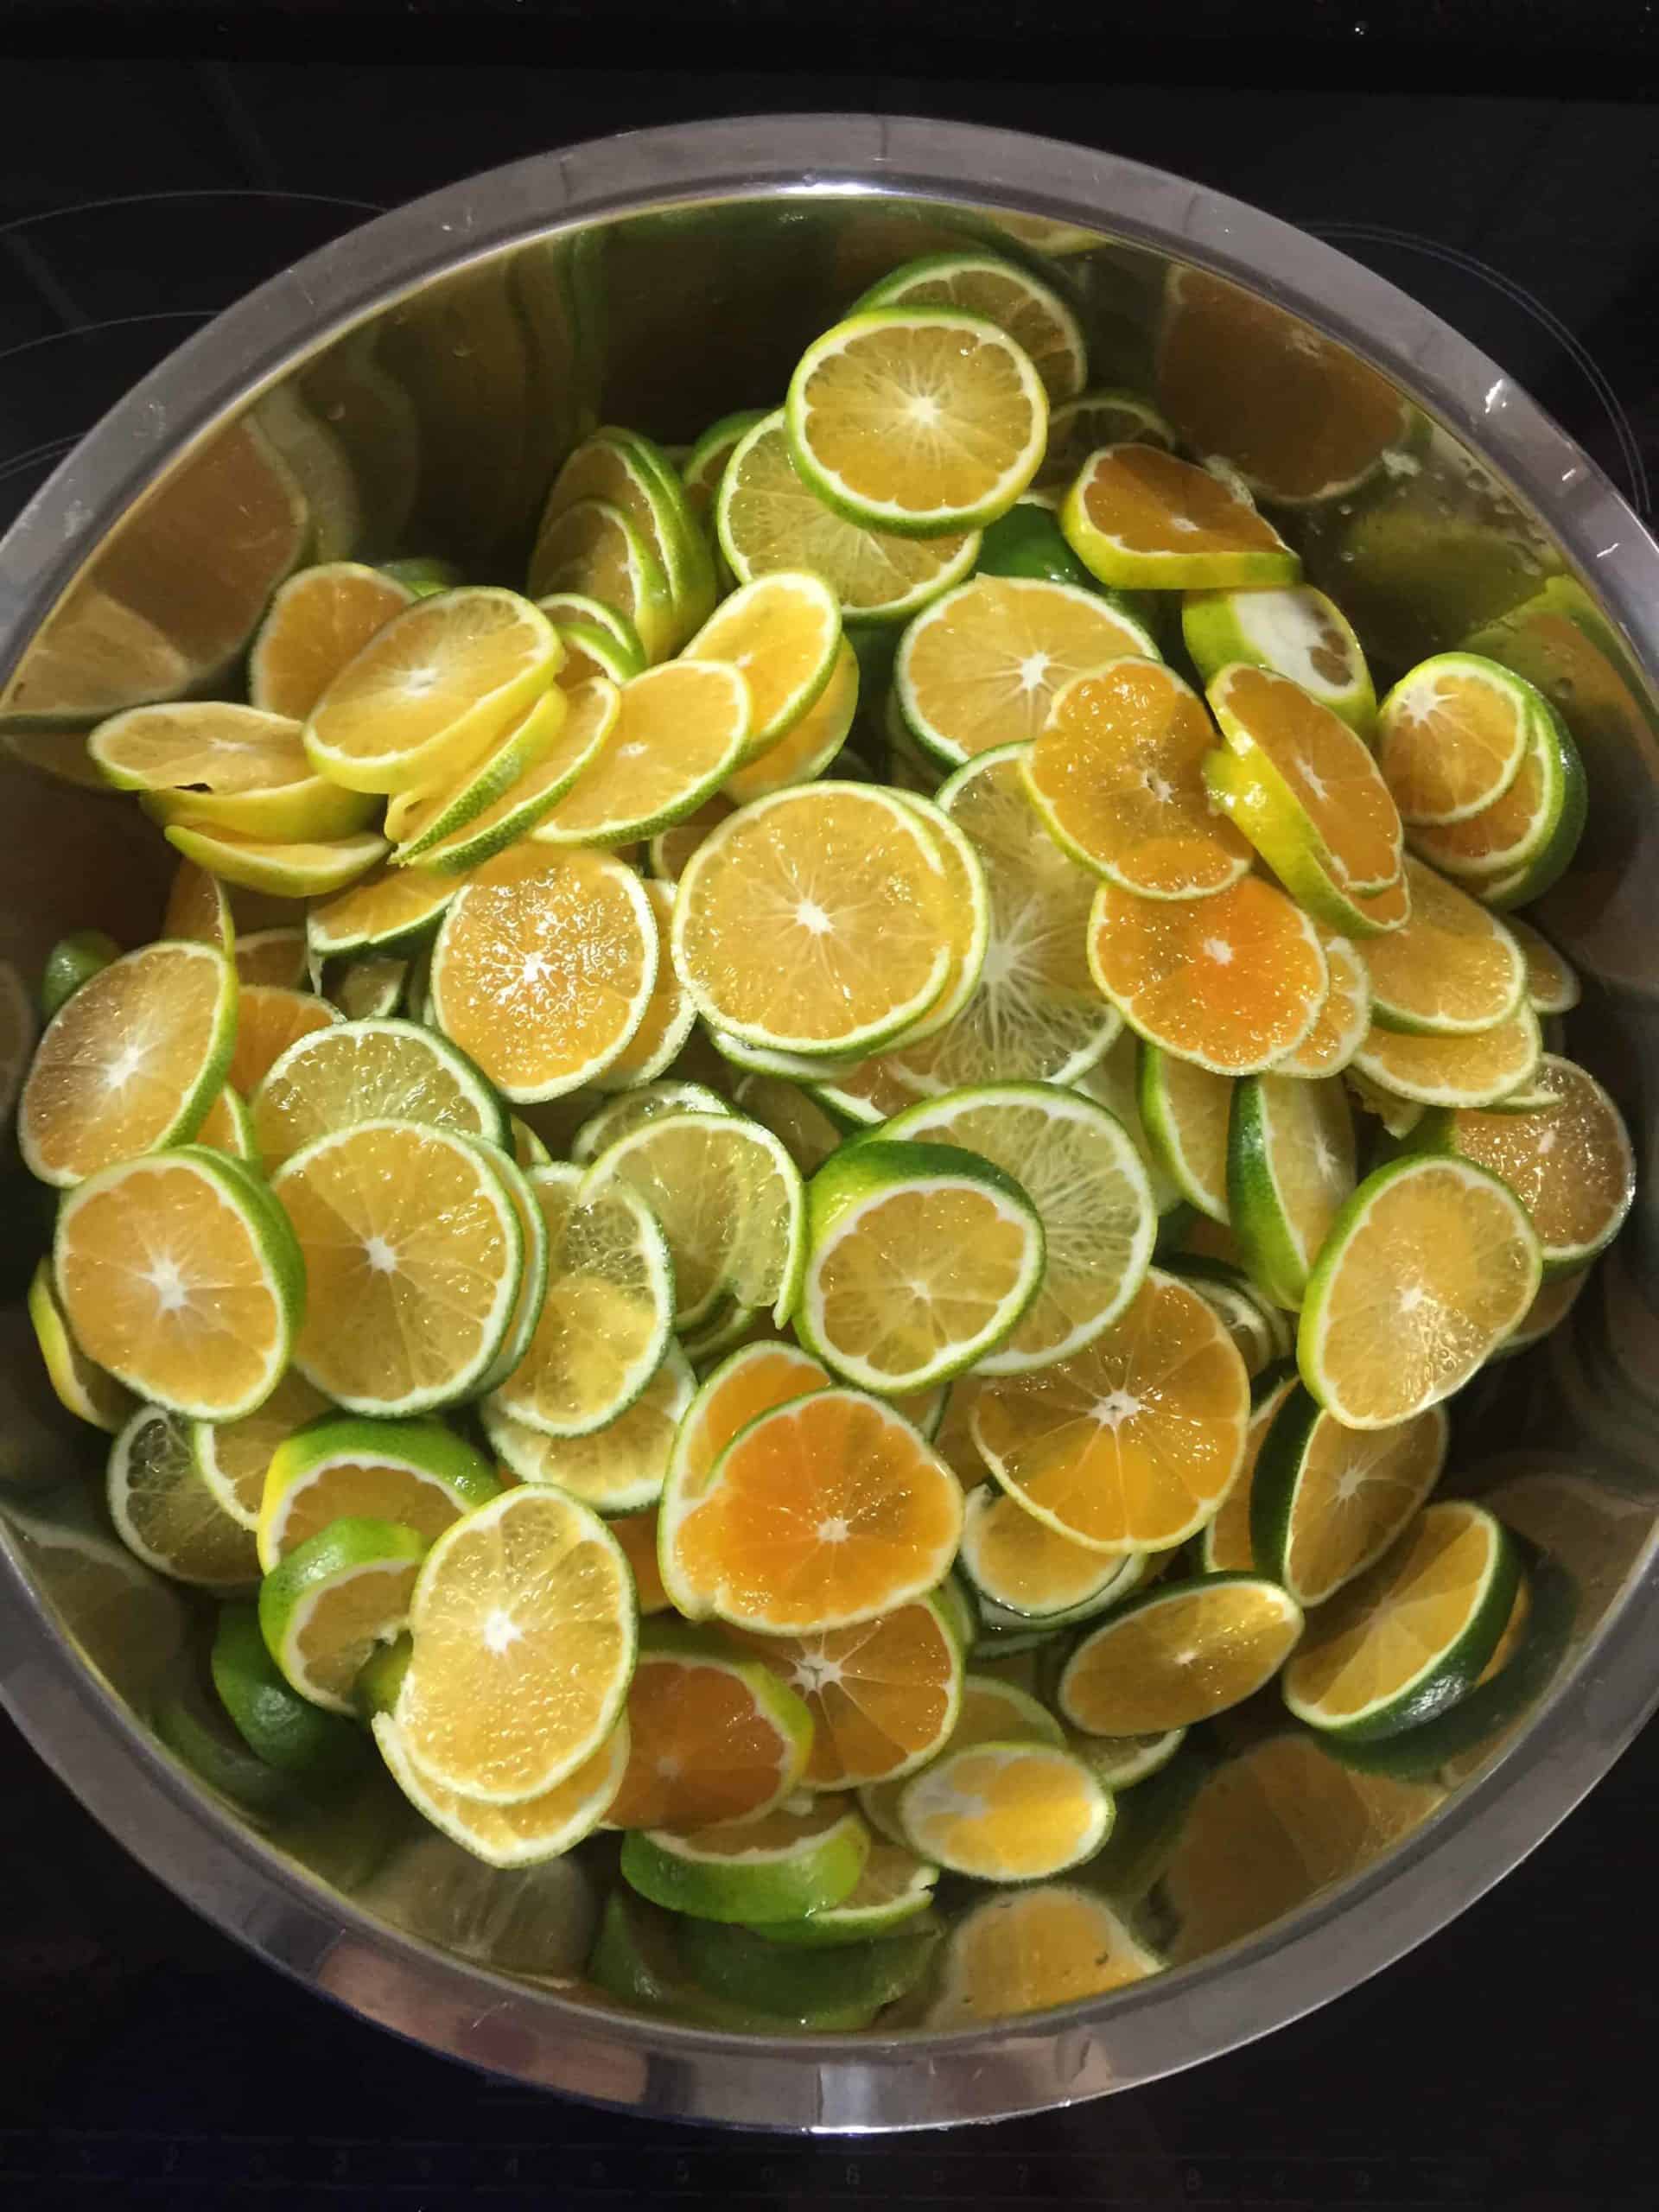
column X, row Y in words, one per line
column 825, row 1320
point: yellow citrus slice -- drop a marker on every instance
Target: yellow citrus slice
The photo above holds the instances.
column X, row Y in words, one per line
column 525, row 1833
column 638, row 477
column 672, row 847
column 378, row 1070
column 1132, row 1443
column 1451, row 736
column 131, row 1062
column 1290, row 1167
column 1512, row 851
column 806, row 750
column 593, row 548
column 1031, row 313
column 1117, row 775
column 269, row 1020
column 1232, row 983
column 1225, row 1547
column 544, row 967
column 320, row 619
column 780, row 1867
column 417, row 1473
column 1006, row 1812
column 433, row 688
column 1471, row 1071
column 1344, row 1018
column 1426, row 1269
column 895, row 1889
column 1326, row 1502
column 1138, row 518
column 420, row 820
column 274, row 955
column 235, row 1456
column 198, row 908
column 617, row 1117
column 1181, row 1654
column 705, row 464
column 620, row 1468
column 1552, row 985
column 670, row 1013
column 524, row 1631
column 714, row 1736
column 333, row 1601
column 1042, row 1947
column 680, row 730
column 166, row 1515
column 783, row 632
column 1185, row 1112
column 1452, row 970
column 82, row 1386
column 391, row 911
column 564, row 607
column 991, row 1711
column 982, row 666
column 1297, row 633
column 1021, row 1564
column 303, row 868
column 224, row 767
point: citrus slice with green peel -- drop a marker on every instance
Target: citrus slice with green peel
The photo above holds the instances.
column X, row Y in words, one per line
column 669, row 1014
column 705, row 464
column 1132, row 1443
column 670, row 848
column 433, row 815
column 1326, row 1502
column 806, row 750
column 1296, row 633
column 590, row 652
column 1451, row 736
column 524, row 1631
column 1413, row 1633
column 617, row 1468
column 272, row 957
column 391, row 911
column 1006, row 1812
column 1032, row 313
column 1399, row 1116
column 781, row 1866
column 1473, row 1070
column 1231, row 982
column 991, row 1711
column 1181, row 1654
column 1452, row 970
column 922, row 421
column 1040, row 1948
column 166, row 1515
column 825, row 1512
column 604, row 1324
column 921, row 1259
column 285, row 1731
column 1512, row 851
column 1078, row 426
column 1137, row 517
column 301, row 869
column 592, row 548
column 82, row 1386
column 180, row 1274
column 1244, row 1316
column 566, row 607
column 637, row 1533
column 1185, row 1111
column 235, row 1456
column 728, row 1200
column 199, row 908
column 72, row 961
column 131, row 1062
column 783, row 632
column 895, row 1889
column 743, row 1966
column 525, row 1833
column 769, row 520
column 1557, row 1295
column 806, row 1132
column 320, row 619
column 1428, row 1268
column 370, row 1072
column 1121, row 1761
column 1075, row 1164
column 729, row 1325
column 433, row 688
column 1113, row 1083
column 417, row 1473
column 268, row 1022
column 1571, row 1166
column 1290, row 1167
column 1117, row 775
column 982, row 666
column 224, row 766
column 544, row 967
column 882, row 1696
column 191, row 1721
column 634, row 1109
column 329, row 1603
column 532, row 1275
column 968, row 896
column 413, row 1258
column 638, row 1960
column 679, row 731
column 1023, row 1565
column 816, row 921
column 1552, row 986
column 636, row 476
column 1344, row 1019
column 422, row 574
column 713, row 1736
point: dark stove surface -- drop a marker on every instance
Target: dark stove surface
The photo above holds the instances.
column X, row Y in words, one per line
column 147, row 2061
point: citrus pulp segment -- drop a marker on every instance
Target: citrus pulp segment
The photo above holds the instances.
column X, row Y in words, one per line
column 617, row 1468
column 1032, row 313
column 1450, row 970
column 1326, row 1502
column 166, row 1515
column 311, row 868
column 1186, row 1111
column 525, row 1833
column 330, row 1602
column 1296, row 633
column 373, row 1071
column 714, row 1736
column 680, row 729
column 593, row 549
column 1049, row 1945
column 1136, row 516
column 777, row 1868
column 1181, row 1654
column 1006, row 1812
column 320, row 619
column 1290, row 1167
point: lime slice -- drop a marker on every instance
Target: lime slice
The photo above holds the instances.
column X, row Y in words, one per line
column 783, row 632
column 636, row 476
column 894, row 1890
column 969, row 896
column 392, row 911
column 714, row 1736
column 370, row 1072
column 1186, row 1112
column 267, row 1020
column 1181, row 1654
column 992, row 1712
column 1113, row 1083
column 1258, row 1328
column 1032, row 313
column 280, row 1728
column 679, row 732
column 1452, row 737
column 742, row 1966
column 1136, row 516
column 1428, row 1268
column 806, row 1132
column 670, row 848
column 422, row 574
column 417, row 1473
column 1326, row 1502
column 525, row 1833
column 533, row 1275
column 82, row 1386
column 1024, row 1567
column 224, row 767
column 777, row 1868
column 1079, row 1169
column 593, row 548
column 1042, row 1947
column 1553, row 987
column 921, row 1259
column 235, row 1456
column 166, row 1515
column 1012, row 1812
column 1452, row 970
column 191, row 1721
column 1512, row 852
column 1296, row 633
column 636, row 1959
column 575, row 611
column 318, row 621
column 619, row 1469
column 273, row 958
column 670, row 1015
column 649, row 1102
column 810, row 747
column 296, row 870
column 1120, row 1761
column 333, row 1599
column 1078, row 426
column 1290, row 1167
column 1345, row 1019
column 769, row 520
column 1473, row 1070
column 436, row 815
column 72, row 961
column 705, row 465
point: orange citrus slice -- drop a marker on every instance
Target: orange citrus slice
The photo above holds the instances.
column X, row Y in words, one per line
column 415, row 1472
column 235, row 1456
column 1473, row 1070
column 680, row 730
column 714, row 1736
column 1138, row 518
column 637, row 1533
column 198, row 908
column 267, row 1020
column 301, row 868
column 619, row 1469
column 275, row 956
column 1006, row 1812
column 670, row 1013
column 1225, row 1548
column 224, row 767
column 1451, row 736
column 528, row 1832
column 593, row 549
column 1042, row 1947
column 1182, row 1654
column 805, row 751
column 782, row 633
column 319, row 621
column 1452, row 970
column 1327, row 1501
column 1343, row 1017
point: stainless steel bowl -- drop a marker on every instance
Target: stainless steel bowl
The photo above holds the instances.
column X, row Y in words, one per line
column 419, row 381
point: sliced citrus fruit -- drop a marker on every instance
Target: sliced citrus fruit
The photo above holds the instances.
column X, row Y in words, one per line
column 769, row 520
column 680, row 730
column 1078, row 426
column 781, row 1866
column 333, row 1599
column 566, row 607
column 1136, row 516
column 224, row 767
column 895, row 1888
column 1232, row 983
column 369, row 1071
column 1185, row 1111
column 592, row 548
column 591, row 651
column 636, row 476
column 82, row 1386
column 637, row 1533
column 1344, row 1019
column 982, row 666
column 1031, row 313
column 1028, row 542
column 1075, row 1164
column 705, row 464
column 883, row 1696
column 524, row 1630
column 1006, row 1812
column 639, row 1959
column 1413, row 1633
column 417, row 1473
column 1295, row 632
column 1451, row 736
column 199, row 908
column 839, row 1985
column 528, row 1832
column 413, row 1257
column 1326, row 1502
column 131, row 1062
column 1112, row 1082
column 72, row 961
column 1557, row 1295
column 1571, row 1165
column 670, row 1015
column 1022, row 1566
column 1132, row 1443
column 318, row 620
column 544, row 967
column 180, row 1274
column 807, row 1133
column 810, row 748
column 672, row 847
column 1513, row 851
column 438, row 815
column 391, row 911
column 991, row 1711
column 285, row 1732
column 922, row 421
column 1399, row 1116
column 1042, row 1947
column 783, row 632
column 269, row 1021
column 648, row 1102
column 1117, row 776
column 825, row 1512
column 235, row 1456
column 422, row 574
column 1225, row 1547
column 272, row 957
column 1552, row 985
column 713, row 1736
column 166, row 1515
column 1426, row 1269
column 921, row 1259
column 620, row 1468
column 1472, row 1070
column 1290, row 1167
column 302, row 870
column 1181, row 1654
column 1256, row 1326
column 1452, row 970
